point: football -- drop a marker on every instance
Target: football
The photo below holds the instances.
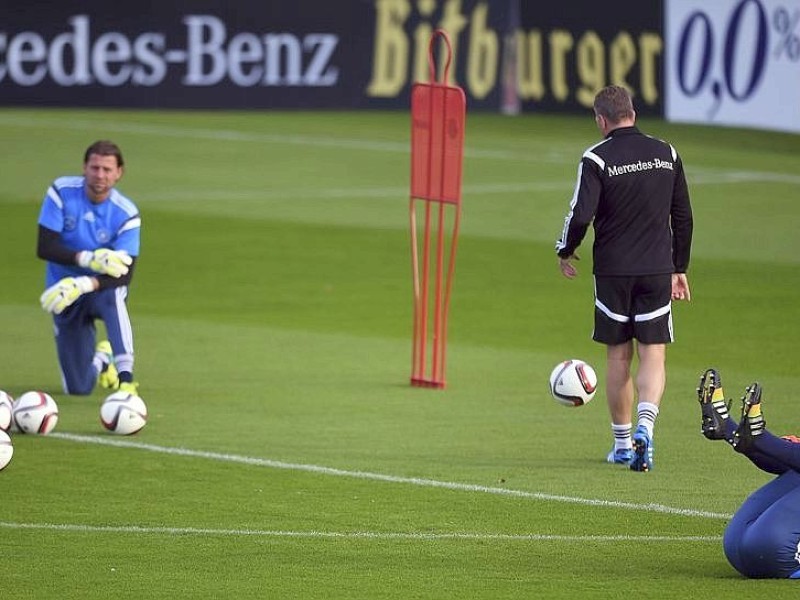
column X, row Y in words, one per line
column 35, row 412
column 6, row 450
column 123, row 413
column 6, row 406
column 573, row 382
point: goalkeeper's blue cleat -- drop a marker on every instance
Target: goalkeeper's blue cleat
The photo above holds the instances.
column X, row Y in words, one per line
column 752, row 423
column 130, row 387
column 714, row 409
column 642, row 450
column 108, row 377
column 620, row 456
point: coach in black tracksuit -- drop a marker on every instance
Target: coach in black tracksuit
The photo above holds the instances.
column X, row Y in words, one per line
column 633, row 188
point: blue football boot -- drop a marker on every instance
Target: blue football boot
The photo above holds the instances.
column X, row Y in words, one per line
column 620, row 456
column 642, row 450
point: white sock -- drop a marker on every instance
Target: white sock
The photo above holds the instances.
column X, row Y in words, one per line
column 622, row 436
column 647, row 416
column 98, row 361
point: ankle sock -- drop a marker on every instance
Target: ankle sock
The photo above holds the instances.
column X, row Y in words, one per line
column 622, row 436
column 647, row 412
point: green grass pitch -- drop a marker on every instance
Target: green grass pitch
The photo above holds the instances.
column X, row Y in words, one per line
column 286, row 454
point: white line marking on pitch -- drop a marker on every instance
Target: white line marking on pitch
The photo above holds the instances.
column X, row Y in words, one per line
column 397, row 193
column 233, row 135
column 355, row 535
column 461, row 487
column 353, row 193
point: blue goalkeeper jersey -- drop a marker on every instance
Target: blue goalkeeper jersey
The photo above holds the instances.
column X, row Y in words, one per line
column 84, row 225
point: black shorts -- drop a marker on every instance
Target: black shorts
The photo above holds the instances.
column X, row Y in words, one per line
column 628, row 307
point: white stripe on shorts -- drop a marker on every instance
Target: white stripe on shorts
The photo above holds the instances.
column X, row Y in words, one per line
column 654, row 314
column 610, row 314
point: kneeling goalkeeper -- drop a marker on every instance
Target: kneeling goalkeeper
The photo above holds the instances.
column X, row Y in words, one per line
column 89, row 236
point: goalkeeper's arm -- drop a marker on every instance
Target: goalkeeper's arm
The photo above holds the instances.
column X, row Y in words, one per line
column 106, row 281
column 50, row 248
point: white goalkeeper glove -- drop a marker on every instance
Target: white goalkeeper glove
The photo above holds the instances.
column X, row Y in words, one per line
column 59, row 296
column 105, row 261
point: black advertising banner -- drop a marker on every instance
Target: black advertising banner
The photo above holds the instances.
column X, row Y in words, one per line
column 568, row 50
column 241, row 54
column 507, row 54
column 202, row 54
column 401, row 33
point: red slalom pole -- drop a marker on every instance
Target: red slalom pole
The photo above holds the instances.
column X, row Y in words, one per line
column 438, row 116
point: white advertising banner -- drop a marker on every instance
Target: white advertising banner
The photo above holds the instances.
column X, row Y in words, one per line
column 733, row 63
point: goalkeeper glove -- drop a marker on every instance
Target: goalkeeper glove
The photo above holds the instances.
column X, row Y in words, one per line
column 59, row 296
column 105, row 261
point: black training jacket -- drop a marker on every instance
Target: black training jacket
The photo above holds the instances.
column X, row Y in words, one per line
column 633, row 187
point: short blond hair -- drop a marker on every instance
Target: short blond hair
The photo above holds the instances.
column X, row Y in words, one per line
column 614, row 103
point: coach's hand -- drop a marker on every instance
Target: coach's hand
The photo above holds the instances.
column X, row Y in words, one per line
column 680, row 287
column 567, row 268
column 59, row 296
column 105, row 261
